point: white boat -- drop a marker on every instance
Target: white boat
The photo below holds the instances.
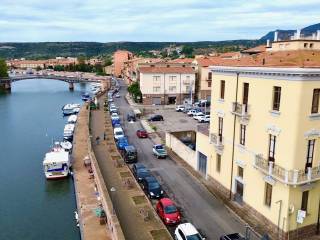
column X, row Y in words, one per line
column 68, row 131
column 56, row 164
column 66, row 145
column 72, row 119
column 76, row 110
column 69, row 108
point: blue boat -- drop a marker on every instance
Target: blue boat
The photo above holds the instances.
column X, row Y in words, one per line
column 85, row 97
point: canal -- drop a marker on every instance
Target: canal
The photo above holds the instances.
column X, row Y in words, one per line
column 30, row 206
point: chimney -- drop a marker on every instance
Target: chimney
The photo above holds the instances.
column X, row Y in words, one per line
column 268, row 43
column 318, row 34
column 298, row 34
column 275, row 36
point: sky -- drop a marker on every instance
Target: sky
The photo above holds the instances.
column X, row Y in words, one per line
column 150, row 20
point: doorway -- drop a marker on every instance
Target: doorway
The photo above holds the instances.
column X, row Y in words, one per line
column 239, row 192
column 202, row 163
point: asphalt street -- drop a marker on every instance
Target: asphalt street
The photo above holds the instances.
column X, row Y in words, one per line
column 198, row 205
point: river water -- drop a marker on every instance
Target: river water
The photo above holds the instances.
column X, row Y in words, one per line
column 30, row 206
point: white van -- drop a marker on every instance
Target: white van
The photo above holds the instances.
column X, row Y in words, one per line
column 118, row 133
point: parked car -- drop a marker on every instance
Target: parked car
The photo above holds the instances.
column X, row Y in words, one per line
column 118, row 133
column 141, row 133
column 187, row 231
column 130, row 154
column 115, row 121
column 168, row 212
column 193, row 111
column 204, row 119
column 122, row 143
column 233, row 236
column 187, row 109
column 114, row 114
column 131, row 117
column 155, row 118
column 117, row 95
column 152, row 187
column 197, row 115
column 159, row 151
column 136, row 167
column 180, row 108
column 142, row 173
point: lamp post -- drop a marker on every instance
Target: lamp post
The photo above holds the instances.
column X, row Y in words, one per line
column 112, row 190
column 279, row 214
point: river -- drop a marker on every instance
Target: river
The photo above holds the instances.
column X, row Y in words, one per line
column 30, row 206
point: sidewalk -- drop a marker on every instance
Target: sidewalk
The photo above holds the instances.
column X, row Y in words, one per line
column 135, row 213
column 85, row 186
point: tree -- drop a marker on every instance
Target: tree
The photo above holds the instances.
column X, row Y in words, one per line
column 134, row 90
column 187, row 50
column 108, row 61
column 3, row 68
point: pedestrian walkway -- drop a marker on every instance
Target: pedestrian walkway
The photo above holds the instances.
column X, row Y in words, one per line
column 87, row 201
column 134, row 211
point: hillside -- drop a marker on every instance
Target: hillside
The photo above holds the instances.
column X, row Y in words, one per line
column 89, row 49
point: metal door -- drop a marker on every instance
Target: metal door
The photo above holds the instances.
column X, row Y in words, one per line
column 202, row 163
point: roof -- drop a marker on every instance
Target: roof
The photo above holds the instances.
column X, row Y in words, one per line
column 205, row 62
column 188, row 229
column 230, row 54
column 166, row 201
column 186, row 70
column 58, row 157
column 182, row 60
column 258, row 49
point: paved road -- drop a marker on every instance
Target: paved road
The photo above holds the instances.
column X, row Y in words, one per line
column 198, row 205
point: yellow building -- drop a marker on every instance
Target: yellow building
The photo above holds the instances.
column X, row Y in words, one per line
column 263, row 147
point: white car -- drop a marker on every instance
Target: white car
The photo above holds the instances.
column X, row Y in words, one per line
column 191, row 112
column 197, row 115
column 118, row 133
column 117, row 95
column 204, row 119
column 187, row 231
column 179, row 108
column 114, row 114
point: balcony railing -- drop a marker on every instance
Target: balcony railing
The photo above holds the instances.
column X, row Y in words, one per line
column 208, row 79
column 241, row 110
column 217, row 141
column 290, row 177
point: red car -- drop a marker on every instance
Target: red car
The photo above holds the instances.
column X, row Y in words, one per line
column 142, row 133
column 168, row 211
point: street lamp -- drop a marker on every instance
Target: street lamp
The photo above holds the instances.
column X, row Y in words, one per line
column 112, row 190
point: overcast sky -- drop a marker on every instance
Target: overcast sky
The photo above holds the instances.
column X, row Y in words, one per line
column 150, row 20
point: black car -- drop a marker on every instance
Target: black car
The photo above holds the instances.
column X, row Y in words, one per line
column 130, row 154
column 156, row 118
column 233, row 236
column 152, row 187
column 131, row 117
column 137, row 166
column 142, row 173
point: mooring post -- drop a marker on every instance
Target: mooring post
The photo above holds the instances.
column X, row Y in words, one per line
column 71, row 86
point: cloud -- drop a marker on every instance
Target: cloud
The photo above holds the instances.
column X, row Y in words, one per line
column 145, row 20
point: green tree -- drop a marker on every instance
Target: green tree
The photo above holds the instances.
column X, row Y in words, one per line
column 187, row 50
column 108, row 61
column 3, row 68
column 134, row 90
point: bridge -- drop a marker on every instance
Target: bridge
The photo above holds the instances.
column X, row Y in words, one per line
column 5, row 83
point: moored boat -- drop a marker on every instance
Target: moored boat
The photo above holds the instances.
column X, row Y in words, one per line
column 85, row 97
column 69, row 108
column 66, row 145
column 56, row 163
column 68, row 131
column 72, row 119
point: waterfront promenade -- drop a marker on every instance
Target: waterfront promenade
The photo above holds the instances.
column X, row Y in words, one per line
column 85, row 188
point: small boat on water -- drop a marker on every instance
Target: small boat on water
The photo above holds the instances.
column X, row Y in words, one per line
column 85, row 97
column 72, row 119
column 76, row 110
column 56, row 163
column 70, row 108
column 66, row 145
column 68, row 131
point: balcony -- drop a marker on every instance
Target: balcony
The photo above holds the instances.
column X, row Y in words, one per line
column 209, row 79
column 241, row 110
column 289, row 177
column 217, row 141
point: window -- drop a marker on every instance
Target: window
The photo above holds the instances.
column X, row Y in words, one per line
column 272, row 147
column 209, row 84
column 311, row 45
column 156, row 80
column 240, row 172
column 156, row 89
column 210, row 76
column 276, row 98
column 268, row 195
column 220, row 128
column 304, row 201
column 188, row 88
column 245, row 95
column 242, row 134
column 173, row 80
column 218, row 163
column 310, row 153
column 222, row 88
column 305, row 45
column 315, row 100
column 172, row 88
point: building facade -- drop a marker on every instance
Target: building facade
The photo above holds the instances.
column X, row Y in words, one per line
column 262, row 151
column 166, row 84
column 119, row 58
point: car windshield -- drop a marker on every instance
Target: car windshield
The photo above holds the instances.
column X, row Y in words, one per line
column 170, row 209
column 194, row 237
column 154, row 185
column 144, row 173
column 159, row 147
column 119, row 133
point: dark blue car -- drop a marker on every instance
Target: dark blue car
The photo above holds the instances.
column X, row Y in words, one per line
column 122, row 143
